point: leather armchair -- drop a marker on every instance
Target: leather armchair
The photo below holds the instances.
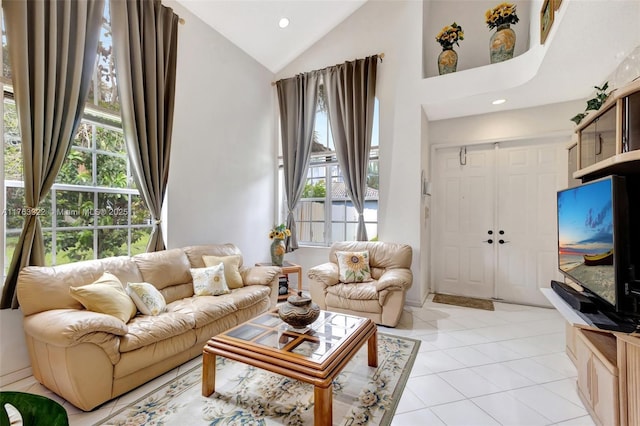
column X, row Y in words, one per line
column 381, row 299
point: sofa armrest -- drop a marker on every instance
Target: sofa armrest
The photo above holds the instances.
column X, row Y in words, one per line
column 68, row 327
column 259, row 275
column 327, row 274
column 395, row 279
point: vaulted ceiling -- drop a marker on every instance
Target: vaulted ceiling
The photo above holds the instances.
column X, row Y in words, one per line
column 583, row 50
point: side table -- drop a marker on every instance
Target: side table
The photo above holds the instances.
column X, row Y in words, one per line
column 287, row 268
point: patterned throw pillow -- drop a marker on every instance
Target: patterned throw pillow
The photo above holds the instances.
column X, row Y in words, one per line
column 106, row 296
column 353, row 266
column 209, row 281
column 231, row 268
column 147, row 298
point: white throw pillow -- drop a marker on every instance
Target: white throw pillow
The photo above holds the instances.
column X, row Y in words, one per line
column 147, row 298
column 209, row 281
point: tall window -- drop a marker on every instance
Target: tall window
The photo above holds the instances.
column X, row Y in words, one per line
column 325, row 213
column 94, row 209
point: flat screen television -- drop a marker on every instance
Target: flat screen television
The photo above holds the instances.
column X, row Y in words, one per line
column 594, row 241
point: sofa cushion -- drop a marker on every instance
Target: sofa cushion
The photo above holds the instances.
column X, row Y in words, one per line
column 107, row 296
column 204, row 309
column 231, row 268
column 209, row 281
column 195, row 253
column 145, row 330
column 381, row 254
column 353, row 266
column 355, row 291
column 147, row 298
column 164, row 268
column 41, row 288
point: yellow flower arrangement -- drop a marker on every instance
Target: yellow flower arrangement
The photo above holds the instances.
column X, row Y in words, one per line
column 504, row 13
column 450, row 35
column 279, row 232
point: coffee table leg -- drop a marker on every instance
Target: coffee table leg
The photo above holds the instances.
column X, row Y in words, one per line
column 372, row 350
column 323, row 406
column 208, row 374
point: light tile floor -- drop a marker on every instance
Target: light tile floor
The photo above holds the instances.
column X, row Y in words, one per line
column 475, row 367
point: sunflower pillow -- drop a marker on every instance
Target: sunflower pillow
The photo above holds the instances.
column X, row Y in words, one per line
column 353, row 266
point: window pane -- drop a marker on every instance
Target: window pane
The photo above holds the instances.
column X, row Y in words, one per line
column 372, row 231
column 338, row 211
column 113, row 209
column 14, row 212
column 139, row 240
column 337, row 231
column 371, row 211
column 317, row 232
column 104, row 91
column 12, row 147
column 6, row 67
column 45, row 212
column 76, row 169
column 352, row 213
column 11, row 239
column 48, row 253
column 112, row 171
column 84, row 136
column 350, row 231
column 72, row 246
column 140, row 215
column 75, row 209
column 112, row 242
column 110, row 140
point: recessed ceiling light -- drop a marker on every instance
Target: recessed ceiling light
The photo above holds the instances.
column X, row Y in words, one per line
column 283, row 23
column 499, row 101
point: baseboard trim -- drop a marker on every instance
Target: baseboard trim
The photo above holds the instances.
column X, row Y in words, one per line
column 15, row 376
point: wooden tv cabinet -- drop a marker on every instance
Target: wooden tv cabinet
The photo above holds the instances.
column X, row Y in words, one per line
column 608, row 366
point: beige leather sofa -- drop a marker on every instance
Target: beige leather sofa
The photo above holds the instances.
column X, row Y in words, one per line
column 381, row 299
column 89, row 358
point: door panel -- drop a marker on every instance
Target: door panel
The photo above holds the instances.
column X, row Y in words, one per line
column 508, row 189
column 465, row 194
column 528, row 178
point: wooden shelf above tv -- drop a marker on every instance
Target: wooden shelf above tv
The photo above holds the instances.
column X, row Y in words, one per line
column 621, row 164
column 608, row 140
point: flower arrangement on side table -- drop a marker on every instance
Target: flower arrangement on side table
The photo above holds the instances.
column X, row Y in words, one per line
column 277, row 235
column 447, row 37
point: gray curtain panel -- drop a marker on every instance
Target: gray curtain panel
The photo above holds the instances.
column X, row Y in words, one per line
column 145, row 37
column 52, row 49
column 350, row 90
column 297, row 98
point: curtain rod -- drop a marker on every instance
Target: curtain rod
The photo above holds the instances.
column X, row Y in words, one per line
column 380, row 56
column 181, row 21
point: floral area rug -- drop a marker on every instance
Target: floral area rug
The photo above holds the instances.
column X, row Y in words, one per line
column 246, row 395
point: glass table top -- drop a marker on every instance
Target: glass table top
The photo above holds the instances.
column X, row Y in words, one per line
column 314, row 342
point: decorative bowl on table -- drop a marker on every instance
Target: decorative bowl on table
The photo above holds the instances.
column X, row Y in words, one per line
column 299, row 311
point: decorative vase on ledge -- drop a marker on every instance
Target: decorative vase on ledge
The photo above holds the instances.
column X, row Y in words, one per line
column 447, row 61
column 502, row 44
column 277, row 251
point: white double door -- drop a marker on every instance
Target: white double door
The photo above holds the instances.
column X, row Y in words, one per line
column 494, row 219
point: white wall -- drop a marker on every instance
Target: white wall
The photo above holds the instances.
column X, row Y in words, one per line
column 223, row 164
column 395, row 29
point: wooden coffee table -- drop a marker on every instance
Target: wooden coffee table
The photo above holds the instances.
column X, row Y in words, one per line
column 316, row 356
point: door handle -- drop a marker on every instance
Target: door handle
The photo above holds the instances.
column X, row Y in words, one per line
column 502, row 241
column 490, row 241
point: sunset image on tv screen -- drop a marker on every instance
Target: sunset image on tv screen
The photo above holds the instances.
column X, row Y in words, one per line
column 585, row 236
